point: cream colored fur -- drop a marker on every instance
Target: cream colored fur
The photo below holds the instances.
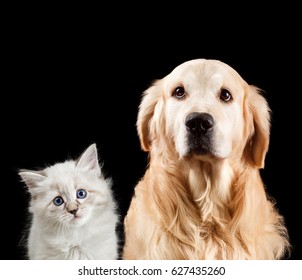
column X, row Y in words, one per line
column 211, row 206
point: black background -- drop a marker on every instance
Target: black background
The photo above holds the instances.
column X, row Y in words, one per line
column 71, row 82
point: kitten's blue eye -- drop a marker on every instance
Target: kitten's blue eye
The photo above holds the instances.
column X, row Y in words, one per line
column 58, row 201
column 81, row 194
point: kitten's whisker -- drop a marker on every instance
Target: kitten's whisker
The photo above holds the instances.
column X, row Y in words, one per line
column 51, row 224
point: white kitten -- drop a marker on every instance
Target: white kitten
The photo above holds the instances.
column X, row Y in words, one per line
column 73, row 211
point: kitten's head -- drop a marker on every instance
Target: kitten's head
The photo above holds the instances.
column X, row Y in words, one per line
column 68, row 193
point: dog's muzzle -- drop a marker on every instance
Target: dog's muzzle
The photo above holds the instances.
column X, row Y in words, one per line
column 200, row 128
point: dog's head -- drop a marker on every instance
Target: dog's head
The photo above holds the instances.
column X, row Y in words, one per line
column 206, row 110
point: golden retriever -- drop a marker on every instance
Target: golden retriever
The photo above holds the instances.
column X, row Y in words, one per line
column 202, row 197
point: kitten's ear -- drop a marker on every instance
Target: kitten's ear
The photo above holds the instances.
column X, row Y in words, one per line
column 89, row 159
column 32, row 178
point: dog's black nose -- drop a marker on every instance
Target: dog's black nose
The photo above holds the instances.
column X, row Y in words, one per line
column 199, row 122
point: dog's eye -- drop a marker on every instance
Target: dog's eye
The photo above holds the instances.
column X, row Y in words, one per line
column 225, row 95
column 179, row 92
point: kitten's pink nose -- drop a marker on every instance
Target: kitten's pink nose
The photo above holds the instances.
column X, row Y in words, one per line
column 72, row 208
column 73, row 212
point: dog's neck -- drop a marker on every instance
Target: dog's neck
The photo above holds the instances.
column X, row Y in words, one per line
column 207, row 182
column 210, row 186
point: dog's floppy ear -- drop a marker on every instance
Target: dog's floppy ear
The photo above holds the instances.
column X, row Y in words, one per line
column 146, row 113
column 260, row 112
